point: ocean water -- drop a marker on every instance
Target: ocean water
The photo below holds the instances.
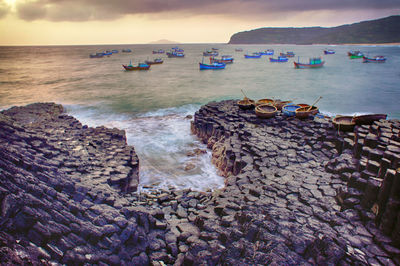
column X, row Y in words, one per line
column 152, row 105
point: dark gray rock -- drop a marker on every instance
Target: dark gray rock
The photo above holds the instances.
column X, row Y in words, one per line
column 66, row 193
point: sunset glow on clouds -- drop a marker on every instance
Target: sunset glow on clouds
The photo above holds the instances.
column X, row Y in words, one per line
column 31, row 22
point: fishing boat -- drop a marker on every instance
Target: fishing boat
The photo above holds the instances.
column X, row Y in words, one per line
column 344, row 123
column 265, row 101
column 287, row 54
column 306, row 111
column 212, row 66
column 226, row 59
column 140, row 66
column 355, row 54
column 267, row 52
column 280, row 59
column 315, row 62
column 159, row 51
column 246, row 104
column 114, row 51
column 253, row 55
column 214, row 49
column 238, row 50
column 329, row 51
column 368, row 119
column 154, row 62
column 210, row 53
column 265, row 111
column 290, row 109
column 96, row 55
column 126, row 50
column 177, row 49
column 173, row 54
column 108, row 52
column 375, row 59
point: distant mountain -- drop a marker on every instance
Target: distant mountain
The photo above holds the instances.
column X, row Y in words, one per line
column 385, row 30
column 163, row 41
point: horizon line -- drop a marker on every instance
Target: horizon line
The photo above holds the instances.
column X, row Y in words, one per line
column 119, row 44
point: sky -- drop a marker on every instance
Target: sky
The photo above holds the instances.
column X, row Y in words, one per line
column 75, row 22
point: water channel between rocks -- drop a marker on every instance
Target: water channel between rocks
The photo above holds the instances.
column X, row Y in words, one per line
column 297, row 192
column 170, row 155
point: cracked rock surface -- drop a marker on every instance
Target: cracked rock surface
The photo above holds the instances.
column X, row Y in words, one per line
column 296, row 194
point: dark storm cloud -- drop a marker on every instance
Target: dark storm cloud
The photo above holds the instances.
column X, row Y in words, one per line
column 84, row 10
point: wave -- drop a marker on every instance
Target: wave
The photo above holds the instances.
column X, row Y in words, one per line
column 164, row 144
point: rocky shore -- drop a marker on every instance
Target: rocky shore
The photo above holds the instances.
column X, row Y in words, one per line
column 298, row 192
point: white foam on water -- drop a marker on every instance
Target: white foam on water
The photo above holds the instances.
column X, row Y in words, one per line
column 331, row 114
column 162, row 140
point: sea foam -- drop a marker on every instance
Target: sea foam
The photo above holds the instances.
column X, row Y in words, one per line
column 164, row 144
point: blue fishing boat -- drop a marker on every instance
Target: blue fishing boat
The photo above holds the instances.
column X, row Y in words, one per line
column 96, row 55
column 159, row 51
column 267, row 52
column 127, row 50
column 154, row 62
column 212, row 66
column 253, row 55
column 140, row 66
column 114, row 51
column 177, row 49
column 226, row 59
column 375, row 59
column 279, row 59
column 288, row 54
column 174, row 54
column 290, row 109
column 329, row 51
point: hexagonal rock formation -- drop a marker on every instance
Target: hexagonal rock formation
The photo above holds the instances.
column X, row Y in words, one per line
column 279, row 170
column 297, row 193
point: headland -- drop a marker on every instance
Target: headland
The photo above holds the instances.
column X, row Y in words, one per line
column 296, row 192
column 379, row 31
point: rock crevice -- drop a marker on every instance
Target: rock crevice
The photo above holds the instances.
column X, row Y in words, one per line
column 296, row 193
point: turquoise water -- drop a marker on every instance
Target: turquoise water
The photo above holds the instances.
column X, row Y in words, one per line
column 151, row 105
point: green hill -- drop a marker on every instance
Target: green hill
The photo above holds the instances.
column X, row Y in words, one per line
column 385, row 30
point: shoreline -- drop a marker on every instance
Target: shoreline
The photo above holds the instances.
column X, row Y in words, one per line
column 296, row 192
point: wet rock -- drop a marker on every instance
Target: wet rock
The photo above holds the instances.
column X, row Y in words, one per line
column 69, row 193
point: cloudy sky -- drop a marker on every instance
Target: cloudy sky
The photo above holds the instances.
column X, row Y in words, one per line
column 42, row 22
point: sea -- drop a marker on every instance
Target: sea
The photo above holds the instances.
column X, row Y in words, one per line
column 152, row 106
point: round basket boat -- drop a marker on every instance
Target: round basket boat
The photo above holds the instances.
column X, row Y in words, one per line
column 265, row 101
column 279, row 104
column 303, row 104
column 266, row 111
column 290, row 109
column 368, row 119
column 246, row 104
column 344, row 123
column 305, row 112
